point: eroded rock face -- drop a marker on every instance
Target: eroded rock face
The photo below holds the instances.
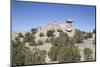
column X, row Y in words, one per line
column 50, row 26
column 69, row 25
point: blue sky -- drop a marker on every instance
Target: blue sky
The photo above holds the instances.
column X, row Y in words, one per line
column 27, row 15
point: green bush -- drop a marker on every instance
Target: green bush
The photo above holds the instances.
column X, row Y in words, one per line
column 88, row 54
column 17, row 39
column 34, row 30
column 85, row 36
column 59, row 41
column 59, row 30
column 50, row 33
column 33, row 43
column 78, row 36
column 84, row 32
column 22, row 55
column 89, row 35
column 63, row 49
column 71, row 41
column 62, row 34
column 33, row 36
column 53, row 53
column 29, row 58
column 20, row 35
column 62, row 40
column 28, row 37
column 41, row 34
column 40, row 42
column 47, row 40
column 39, row 56
column 69, row 53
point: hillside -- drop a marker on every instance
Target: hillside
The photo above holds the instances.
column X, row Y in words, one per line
column 88, row 43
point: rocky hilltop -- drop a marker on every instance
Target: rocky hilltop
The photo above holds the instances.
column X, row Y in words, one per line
column 45, row 28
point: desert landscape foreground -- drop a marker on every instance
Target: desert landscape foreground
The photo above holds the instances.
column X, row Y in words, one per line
column 53, row 44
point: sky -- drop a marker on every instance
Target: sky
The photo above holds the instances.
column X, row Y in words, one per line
column 27, row 15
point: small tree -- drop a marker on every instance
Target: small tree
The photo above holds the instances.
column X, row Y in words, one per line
column 78, row 36
column 40, row 42
column 84, row 32
column 62, row 40
column 33, row 30
column 59, row 30
column 89, row 35
column 85, row 36
column 41, row 34
column 39, row 56
column 17, row 39
column 47, row 40
column 28, row 37
column 50, row 33
column 53, row 53
column 33, row 36
column 69, row 53
column 20, row 35
column 20, row 54
column 33, row 43
column 88, row 54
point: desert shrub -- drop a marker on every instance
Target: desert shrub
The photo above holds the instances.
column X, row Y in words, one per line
column 13, row 42
column 34, row 30
column 59, row 30
column 71, row 41
column 29, row 58
column 59, row 41
column 62, row 40
column 89, row 35
column 84, row 32
column 28, row 37
column 50, row 33
column 39, row 56
column 55, row 42
column 69, row 53
column 62, row 34
column 33, row 36
column 41, row 34
column 63, row 49
column 40, row 42
column 20, row 35
column 85, row 36
column 17, row 39
column 47, row 40
column 87, row 54
column 78, row 36
column 33, row 43
column 20, row 54
column 53, row 53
